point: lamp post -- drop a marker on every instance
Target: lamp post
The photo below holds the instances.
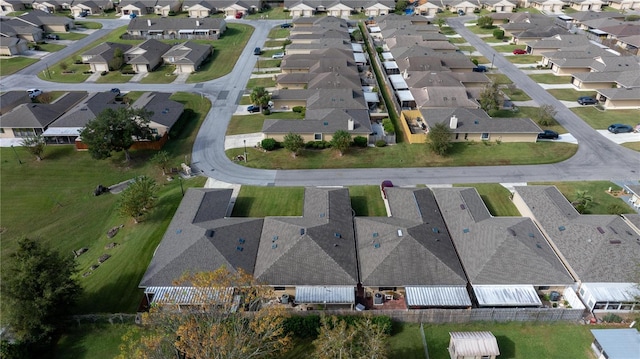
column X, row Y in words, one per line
column 245, row 150
column 16, row 153
column 492, row 58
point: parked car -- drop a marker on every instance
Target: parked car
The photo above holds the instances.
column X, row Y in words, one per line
column 286, row 25
column 620, row 128
column 83, row 14
column 257, row 51
column 115, row 90
column 385, row 184
column 52, row 37
column 519, row 51
column 480, row 68
column 253, row 108
column 239, row 15
column 132, row 15
column 277, row 55
column 548, row 135
column 33, row 93
column 586, row 100
column 460, row 13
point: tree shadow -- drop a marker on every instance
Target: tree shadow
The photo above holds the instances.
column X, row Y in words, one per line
column 507, row 347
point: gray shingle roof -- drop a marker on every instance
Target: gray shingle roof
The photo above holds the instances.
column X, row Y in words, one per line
column 150, row 51
column 87, row 110
column 38, row 115
column 165, row 111
column 477, row 121
column 187, row 53
column 176, row 23
column 599, row 248
column 497, row 250
column 560, row 41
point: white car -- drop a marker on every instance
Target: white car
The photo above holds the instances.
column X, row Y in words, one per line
column 277, row 55
column 33, row 93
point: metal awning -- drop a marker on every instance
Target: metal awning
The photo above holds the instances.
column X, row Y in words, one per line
column 612, row 292
column 507, row 295
column 359, row 58
column 374, row 29
column 62, row 131
column 387, row 56
column 355, row 47
column 398, row 82
column 185, row 31
column 326, row 294
column 405, row 95
column 438, row 296
column 371, row 97
column 188, row 295
column 390, row 65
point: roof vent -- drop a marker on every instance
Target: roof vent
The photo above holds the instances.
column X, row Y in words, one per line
column 337, row 235
column 538, row 245
column 209, row 233
column 274, row 246
column 466, row 230
column 561, row 228
column 462, row 207
column 178, row 231
column 615, row 241
column 322, row 215
column 476, row 122
column 241, row 240
column 435, row 230
column 375, row 234
column 531, row 235
column 600, row 230
column 399, row 232
column 165, row 111
column 511, row 231
column 239, row 249
column 376, row 245
column 302, row 231
column 275, row 238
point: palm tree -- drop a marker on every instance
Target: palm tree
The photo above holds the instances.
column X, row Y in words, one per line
column 583, row 201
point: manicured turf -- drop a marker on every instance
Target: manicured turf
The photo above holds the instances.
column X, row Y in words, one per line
column 241, row 124
column 89, row 24
column 91, row 341
column 70, row 35
column 632, row 145
column 162, row 75
column 570, row 94
column 367, row 201
column 406, row 342
column 500, row 79
column 601, row 119
column 524, row 59
column 52, row 200
column 261, row 82
column 416, row 155
column 14, row 64
column 515, row 94
column 478, row 30
column 49, row 47
column 496, row 198
column 597, row 189
column 114, row 77
column 508, row 48
column 268, row 201
column 550, row 79
column 519, row 340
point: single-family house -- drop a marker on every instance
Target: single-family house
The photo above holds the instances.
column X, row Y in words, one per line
column 165, row 112
column 629, row 43
column 199, row 8
column 9, row 6
column 100, row 56
column 32, row 119
column 615, row 343
column 624, row 4
column 606, row 80
column 235, row 8
column 12, row 46
column 12, row 99
column 166, row 7
column 409, row 254
column 600, row 251
column 147, row 56
column 619, row 98
column 537, row 33
column 429, row 9
column 570, row 60
column 556, row 43
column 135, row 7
column 177, row 28
column 377, row 9
column 90, row 7
column 47, row 22
column 473, row 345
column 12, row 27
column 549, row 6
column 466, row 6
column 48, row 6
column 188, row 56
column 501, row 6
column 301, row 9
column 586, row 5
column 340, row 10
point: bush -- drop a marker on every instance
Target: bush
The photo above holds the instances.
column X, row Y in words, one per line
column 317, row 145
column 269, row 144
column 612, row 318
column 388, row 126
column 266, row 111
column 360, row 141
column 498, row 34
column 475, row 61
column 298, row 109
column 307, row 326
column 104, row 73
column 381, row 143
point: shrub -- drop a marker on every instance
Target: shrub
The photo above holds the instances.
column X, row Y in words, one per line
column 307, row 326
column 616, row 208
column 381, row 143
column 269, row 144
column 266, row 111
column 475, row 61
column 298, row 109
column 104, row 73
column 360, row 141
column 612, row 318
column 632, row 18
column 498, row 34
column 388, row 126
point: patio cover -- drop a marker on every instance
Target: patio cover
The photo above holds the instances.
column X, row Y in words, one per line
column 187, row 295
column 438, row 296
column 371, row 97
column 398, row 82
column 405, row 95
column 612, row 292
column 62, row 131
column 507, row 296
column 326, row 294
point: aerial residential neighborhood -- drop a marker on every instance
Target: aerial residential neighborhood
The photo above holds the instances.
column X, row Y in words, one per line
column 342, row 179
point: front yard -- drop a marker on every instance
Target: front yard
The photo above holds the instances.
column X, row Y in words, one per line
column 601, row 119
column 14, row 64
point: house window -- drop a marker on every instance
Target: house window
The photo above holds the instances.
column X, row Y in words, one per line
column 466, row 135
column 582, row 292
column 485, row 136
column 486, row 357
column 279, row 288
column 23, row 132
column 626, row 306
column 154, row 131
column 381, row 289
column 317, row 137
column 457, row 135
column 1, row 130
column 613, row 306
column 600, row 305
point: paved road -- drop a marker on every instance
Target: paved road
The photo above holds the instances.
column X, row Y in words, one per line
column 597, row 158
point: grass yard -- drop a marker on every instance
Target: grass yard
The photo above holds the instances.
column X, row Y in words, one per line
column 570, row 94
column 89, row 25
column 114, row 77
column 500, row 79
column 278, row 33
column 598, row 189
column 481, row 31
column 530, row 112
column 514, row 93
column 70, row 35
column 406, row 342
column 632, row 145
column 274, row 43
column 14, row 64
column 528, row 9
column 523, row 59
column 407, row 155
column 600, row 119
column 495, row 197
column 48, row 47
column 91, row 340
column 550, row 79
column 70, row 217
column 518, row 340
column 447, row 30
column 480, row 59
column 255, row 201
column 272, row 13
column 508, row 48
column 457, row 40
column 162, row 75
column 367, row 201
column 261, row 82
column 468, row 49
column 240, row 124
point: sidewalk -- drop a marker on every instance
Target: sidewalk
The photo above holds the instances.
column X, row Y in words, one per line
column 181, row 79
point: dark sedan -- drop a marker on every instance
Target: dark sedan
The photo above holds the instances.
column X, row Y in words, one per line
column 548, row 135
column 586, row 100
column 253, row 108
column 620, row 128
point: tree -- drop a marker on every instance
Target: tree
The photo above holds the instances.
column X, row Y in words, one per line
column 260, row 96
column 220, row 328
column 117, row 60
column 546, row 115
column 294, row 143
column 115, row 131
column 337, row 339
column 401, row 6
column 485, row 22
column 35, row 145
column 341, row 141
column 440, row 21
column 162, row 159
column 38, row 289
column 490, row 97
column 583, row 201
column 138, row 198
column 439, row 139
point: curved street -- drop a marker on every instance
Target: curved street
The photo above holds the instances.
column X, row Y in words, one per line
column 597, row 158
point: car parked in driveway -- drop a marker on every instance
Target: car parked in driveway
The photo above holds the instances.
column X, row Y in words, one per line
column 52, row 37
column 480, row 68
column 277, row 55
column 548, row 135
column 253, row 108
column 586, row 100
column 519, row 51
column 33, row 93
column 620, row 128
column 286, row 25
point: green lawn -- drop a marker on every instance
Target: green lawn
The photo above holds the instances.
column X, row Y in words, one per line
column 469, row 49
column 457, row 40
column 261, row 82
column 530, row 112
column 632, row 145
column 367, row 201
column 272, row 13
column 500, row 79
column 416, row 155
column 114, row 77
column 240, row 124
column 496, row 198
column 600, row 119
column 523, row 59
column 278, row 33
column 519, row 340
column 515, row 94
column 91, row 341
column 274, row 43
column 598, row 189
column 51, row 47
column 528, row 9
column 550, row 79
column 162, row 75
column 89, row 24
column 268, row 201
column 508, row 48
column 406, row 342
column 480, row 59
column 70, row 35
column 446, row 30
column 14, row 64
column 570, row 94
column 481, row 31
column 70, row 217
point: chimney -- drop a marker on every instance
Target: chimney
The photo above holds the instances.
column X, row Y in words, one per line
column 453, row 122
column 350, row 124
column 197, row 23
column 149, row 22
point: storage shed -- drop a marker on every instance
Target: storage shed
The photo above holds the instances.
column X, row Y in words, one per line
column 473, row 345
